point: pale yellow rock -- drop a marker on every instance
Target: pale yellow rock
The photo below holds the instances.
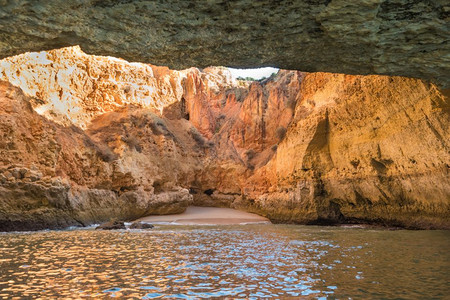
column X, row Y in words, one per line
column 72, row 87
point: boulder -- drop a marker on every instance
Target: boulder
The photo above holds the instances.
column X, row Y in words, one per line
column 112, row 225
column 141, row 225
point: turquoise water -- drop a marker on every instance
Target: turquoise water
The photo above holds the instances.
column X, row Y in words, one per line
column 248, row 262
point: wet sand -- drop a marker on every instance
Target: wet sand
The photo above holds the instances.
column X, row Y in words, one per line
column 195, row 215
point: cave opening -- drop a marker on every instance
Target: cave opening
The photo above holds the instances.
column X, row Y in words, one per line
column 208, row 192
column 248, row 138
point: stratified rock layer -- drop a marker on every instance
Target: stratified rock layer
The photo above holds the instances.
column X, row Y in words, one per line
column 402, row 37
column 131, row 140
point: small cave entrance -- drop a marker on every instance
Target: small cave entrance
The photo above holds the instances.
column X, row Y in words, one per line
column 208, row 192
column 202, row 197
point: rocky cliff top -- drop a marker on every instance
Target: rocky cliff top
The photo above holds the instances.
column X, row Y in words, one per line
column 71, row 87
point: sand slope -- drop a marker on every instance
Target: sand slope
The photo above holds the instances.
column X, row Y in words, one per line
column 195, row 215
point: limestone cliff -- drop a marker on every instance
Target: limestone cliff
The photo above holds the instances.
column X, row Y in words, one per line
column 360, row 148
column 108, row 138
column 71, row 87
column 125, row 166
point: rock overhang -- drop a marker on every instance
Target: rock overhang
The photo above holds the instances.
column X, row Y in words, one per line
column 405, row 37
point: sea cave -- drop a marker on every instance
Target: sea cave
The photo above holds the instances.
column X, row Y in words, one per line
column 290, row 127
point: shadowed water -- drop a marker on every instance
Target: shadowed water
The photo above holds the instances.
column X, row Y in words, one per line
column 252, row 261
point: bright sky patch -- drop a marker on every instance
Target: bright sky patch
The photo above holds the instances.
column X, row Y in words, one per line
column 253, row 73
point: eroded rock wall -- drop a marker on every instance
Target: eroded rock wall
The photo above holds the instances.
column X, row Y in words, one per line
column 361, row 148
column 106, row 136
column 55, row 176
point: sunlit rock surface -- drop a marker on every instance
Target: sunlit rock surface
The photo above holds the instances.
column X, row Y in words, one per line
column 403, row 37
column 296, row 147
column 71, row 87
column 361, row 148
column 55, row 176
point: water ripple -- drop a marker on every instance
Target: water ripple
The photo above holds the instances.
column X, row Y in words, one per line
column 249, row 262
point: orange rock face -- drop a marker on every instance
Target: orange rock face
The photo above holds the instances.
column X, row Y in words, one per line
column 56, row 176
column 97, row 137
column 369, row 148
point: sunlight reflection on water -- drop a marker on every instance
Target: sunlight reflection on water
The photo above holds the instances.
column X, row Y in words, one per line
column 253, row 261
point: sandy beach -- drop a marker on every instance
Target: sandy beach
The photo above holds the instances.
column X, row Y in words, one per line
column 195, row 215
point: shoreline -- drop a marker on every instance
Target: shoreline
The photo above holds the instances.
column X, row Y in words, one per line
column 197, row 215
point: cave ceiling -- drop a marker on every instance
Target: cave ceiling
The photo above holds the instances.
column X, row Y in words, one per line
column 396, row 37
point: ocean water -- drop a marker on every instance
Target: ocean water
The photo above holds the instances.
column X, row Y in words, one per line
column 226, row 262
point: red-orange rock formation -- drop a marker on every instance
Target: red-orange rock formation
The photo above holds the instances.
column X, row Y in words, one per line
column 119, row 139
